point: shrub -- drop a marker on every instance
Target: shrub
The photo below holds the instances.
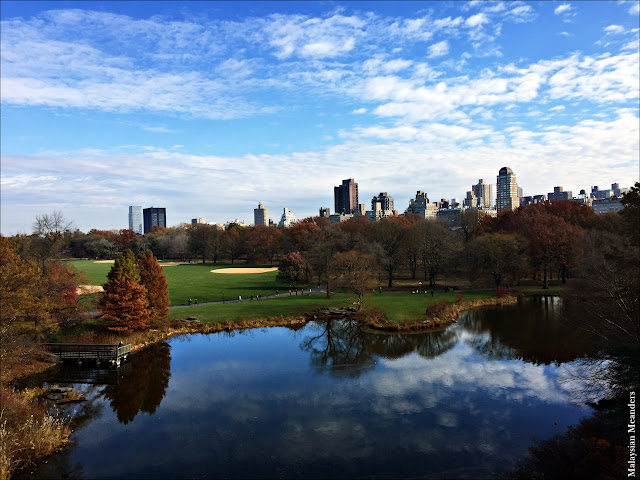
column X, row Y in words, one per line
column 27, row 433
column 437, row 309
column 502, row 292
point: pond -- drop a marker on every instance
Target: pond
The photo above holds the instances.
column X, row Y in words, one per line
column 331, row 399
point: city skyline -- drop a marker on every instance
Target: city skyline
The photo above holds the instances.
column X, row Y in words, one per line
column 209, row 108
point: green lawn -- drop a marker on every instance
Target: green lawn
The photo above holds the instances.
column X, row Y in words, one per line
column 398, row 306
column 403, row 307
column 275, row 307
column 196, row 281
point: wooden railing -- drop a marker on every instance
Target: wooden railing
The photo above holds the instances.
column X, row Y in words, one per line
column 80, row 352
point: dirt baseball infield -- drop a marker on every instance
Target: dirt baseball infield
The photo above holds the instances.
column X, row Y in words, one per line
column 244, row 270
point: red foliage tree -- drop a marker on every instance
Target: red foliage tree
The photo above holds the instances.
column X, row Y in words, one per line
column 294, row 269
column 155, row 282
column 124, row 303
column 262, row 243
column 124, row 238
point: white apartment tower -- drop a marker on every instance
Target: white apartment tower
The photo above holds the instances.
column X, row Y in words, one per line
column 287, row 219
column 507, row 191
column 135, row 219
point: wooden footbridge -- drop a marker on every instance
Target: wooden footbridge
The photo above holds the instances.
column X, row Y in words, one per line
column 91, row 353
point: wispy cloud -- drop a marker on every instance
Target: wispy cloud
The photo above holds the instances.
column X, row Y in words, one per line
column 560, row 9
column 438, row 49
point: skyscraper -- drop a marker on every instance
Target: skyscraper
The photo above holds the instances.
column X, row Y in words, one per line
column 346, row 197
column 154, row 216
column 484, row 193
column 261, row 216
column 507, row 190
column 135, row 219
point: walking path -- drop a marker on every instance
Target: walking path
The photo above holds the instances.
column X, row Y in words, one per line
column 316, row 290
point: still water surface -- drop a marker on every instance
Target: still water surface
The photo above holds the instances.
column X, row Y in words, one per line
column 331, row 400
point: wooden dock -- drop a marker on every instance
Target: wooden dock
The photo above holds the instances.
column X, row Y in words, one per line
column 93, row 353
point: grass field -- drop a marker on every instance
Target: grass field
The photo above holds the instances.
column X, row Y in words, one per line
column 399, row 307
column 275, row 307
column 196, row 281
column 403, row 307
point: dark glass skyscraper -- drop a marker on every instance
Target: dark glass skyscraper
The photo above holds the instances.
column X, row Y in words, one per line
column 154, row 216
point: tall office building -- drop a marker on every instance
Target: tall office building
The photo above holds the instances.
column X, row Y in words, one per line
column 382, row 202
column 484, row 194
column 154, row 216
column 135, row 219
column 421, row 206
column 346, row 197
column 261, row 216
column 507, row 191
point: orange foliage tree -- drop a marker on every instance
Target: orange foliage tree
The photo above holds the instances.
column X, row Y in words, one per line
column 124, row 303
column 155, row 283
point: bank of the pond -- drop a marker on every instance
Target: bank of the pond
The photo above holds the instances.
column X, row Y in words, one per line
column 437, row 315
column 395, row 311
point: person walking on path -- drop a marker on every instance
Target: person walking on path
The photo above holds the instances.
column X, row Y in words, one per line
column 189, row 302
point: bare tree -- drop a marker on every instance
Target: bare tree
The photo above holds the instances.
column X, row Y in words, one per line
column 48, row 237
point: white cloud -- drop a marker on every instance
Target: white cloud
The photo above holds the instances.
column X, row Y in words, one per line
column 560, row 9
column 438, row 49
column 614, row 29
column 521, row 14
column 476, row 20
column 359, row 111
column 635, row 7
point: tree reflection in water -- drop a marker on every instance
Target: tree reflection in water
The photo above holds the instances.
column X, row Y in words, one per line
column 535, row 331
column 144, row 386
column 345, row 348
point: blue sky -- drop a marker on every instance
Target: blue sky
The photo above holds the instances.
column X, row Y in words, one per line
column 209, row 108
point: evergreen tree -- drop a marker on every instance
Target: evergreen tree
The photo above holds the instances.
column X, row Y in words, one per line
column 155, row 282
column 124, row 303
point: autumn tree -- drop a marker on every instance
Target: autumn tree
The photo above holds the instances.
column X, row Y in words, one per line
column 155, row 283
column 124, row 238
column 262, row 243
column 20, row 280
column 631, row 212
column 438, row 247
column 386, row 235
column 233, row 242
column 500, row 256
column 59, row 289
column 331, row 241
column 293, row 268
column 200, row 240
column 470, row 218
column 124, row 303
column 300, row 236
column 355, row 271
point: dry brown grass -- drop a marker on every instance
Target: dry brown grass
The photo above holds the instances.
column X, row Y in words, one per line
column 140, row 340
column 27, row 433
